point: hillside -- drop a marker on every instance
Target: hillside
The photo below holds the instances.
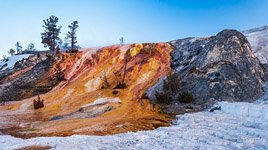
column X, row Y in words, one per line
column 122, row 88
column 83, row 103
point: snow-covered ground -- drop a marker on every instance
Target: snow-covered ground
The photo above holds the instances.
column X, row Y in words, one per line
column 235, row 126
column 12, row 60
column 258, row 39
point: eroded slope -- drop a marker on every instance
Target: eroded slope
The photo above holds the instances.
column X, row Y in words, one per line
column 83, row 103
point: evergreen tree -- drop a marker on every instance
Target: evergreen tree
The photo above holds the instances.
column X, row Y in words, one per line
column 50, row 37
column 11, row 51
column 71, row 35
column 18, row 48
column 30, row 47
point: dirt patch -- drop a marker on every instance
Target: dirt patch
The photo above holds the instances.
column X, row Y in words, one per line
column 35, row 147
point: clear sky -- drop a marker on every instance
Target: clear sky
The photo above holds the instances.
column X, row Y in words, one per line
column 103, row 22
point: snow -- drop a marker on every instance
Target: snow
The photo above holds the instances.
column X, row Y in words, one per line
column 245, row 109
column 101, row 101
column 258, row 39
column 12, row 60
column 236, row 126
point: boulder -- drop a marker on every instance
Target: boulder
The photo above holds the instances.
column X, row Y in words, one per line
column 217, row 68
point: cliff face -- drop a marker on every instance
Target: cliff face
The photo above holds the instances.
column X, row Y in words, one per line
column 218, row 68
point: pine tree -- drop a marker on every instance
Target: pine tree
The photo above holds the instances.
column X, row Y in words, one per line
column 71, row 35
column 11, row 51
column 18, row 48
column 50, row 37
column 30, row 47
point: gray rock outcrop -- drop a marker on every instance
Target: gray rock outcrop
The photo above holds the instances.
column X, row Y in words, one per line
column 26, row 84
column 217, row 68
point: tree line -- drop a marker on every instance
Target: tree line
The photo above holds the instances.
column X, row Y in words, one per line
column 50, row 38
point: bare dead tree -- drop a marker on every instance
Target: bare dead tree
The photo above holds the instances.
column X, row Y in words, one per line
column 122, row 83
column 116, row 78
column 125, row 67
column 105, row 80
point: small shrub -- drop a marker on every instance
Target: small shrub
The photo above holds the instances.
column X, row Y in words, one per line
column 121, row 86
column 149, row 48
column 163, row 97
column 186, row 97
column 144, row 96
column 59, row 74
column 170, row 88
column 172, row 83
column 38, row 103
column 73, row 50
column 115, row 92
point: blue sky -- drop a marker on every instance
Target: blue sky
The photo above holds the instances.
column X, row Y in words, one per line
column 103, row 22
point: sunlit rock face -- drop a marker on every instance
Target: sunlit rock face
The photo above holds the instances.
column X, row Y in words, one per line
column 83, row 103
column 221, row 67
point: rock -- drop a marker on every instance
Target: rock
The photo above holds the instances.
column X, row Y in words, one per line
column 215, row 108
column 217, row 68
column 25, row 85
column 56, row 118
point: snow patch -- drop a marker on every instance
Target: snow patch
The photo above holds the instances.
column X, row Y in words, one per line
column 258, row 39
column 225, row 129
column 237, row 125
column 245, row 109
column 101, row 101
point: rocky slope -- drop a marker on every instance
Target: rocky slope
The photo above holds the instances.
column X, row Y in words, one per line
column 114, row 89
column 28, row 78
column 88, row 100
column 217, row 68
